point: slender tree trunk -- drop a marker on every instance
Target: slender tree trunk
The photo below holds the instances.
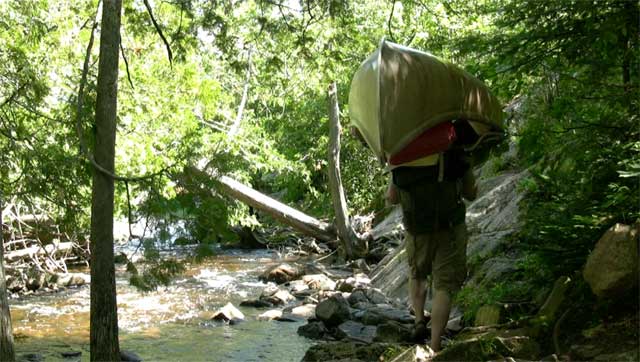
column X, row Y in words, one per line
column 6, row 336
column 353, row 245
column 104, row 314
column 243, row 101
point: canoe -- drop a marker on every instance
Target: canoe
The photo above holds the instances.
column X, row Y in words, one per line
column 399, row 93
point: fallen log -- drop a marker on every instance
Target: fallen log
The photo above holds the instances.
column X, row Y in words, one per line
column 50, row 250
column 276, row 209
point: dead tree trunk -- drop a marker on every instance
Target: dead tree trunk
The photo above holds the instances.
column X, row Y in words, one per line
column 279, row 211
column 353, row 245
column 7, row 352
column 104, row 313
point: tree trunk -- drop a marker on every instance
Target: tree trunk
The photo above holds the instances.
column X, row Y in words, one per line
column 353, row 245
column 235, row 127
column 279, row 211
column 6, row 335
column 104, row 314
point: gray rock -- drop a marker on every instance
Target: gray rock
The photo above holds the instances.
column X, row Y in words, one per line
column 127, row 356
column 270, row 315
column 612, row 267
column 319, row 282
column 304, row 311
column 281, row 274
column 333, row 310
column 297, row 285
column 228, row 313
column 376, row 296
column 313, row 330
column 393, row 332
column 280, row 297
column 358, row 296
column 72, row 279
column 378, row 315
column 356, row 331
column 455, row 324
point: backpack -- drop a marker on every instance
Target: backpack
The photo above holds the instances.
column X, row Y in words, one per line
column 431, row 199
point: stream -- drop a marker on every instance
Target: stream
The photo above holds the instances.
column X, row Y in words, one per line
column 171, row 324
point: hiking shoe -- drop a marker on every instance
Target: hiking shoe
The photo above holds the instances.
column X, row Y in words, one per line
column 419, row 332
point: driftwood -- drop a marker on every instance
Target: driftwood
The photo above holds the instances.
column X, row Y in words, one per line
column 48, row 250
column 353, row 245
column 276, row 209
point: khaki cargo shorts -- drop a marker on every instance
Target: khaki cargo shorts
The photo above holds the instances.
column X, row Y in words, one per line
column 442, row 253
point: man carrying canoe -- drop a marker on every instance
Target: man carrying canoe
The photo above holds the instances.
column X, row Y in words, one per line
column 422, row 116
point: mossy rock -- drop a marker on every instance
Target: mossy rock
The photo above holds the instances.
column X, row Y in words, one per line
column 487, row 348
column 345, row 351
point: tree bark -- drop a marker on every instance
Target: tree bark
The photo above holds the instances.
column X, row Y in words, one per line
column 104, row 315
column 353, row 245
column 279, row 211
column 7, row 352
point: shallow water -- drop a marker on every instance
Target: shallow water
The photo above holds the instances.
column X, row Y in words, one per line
column 171, row 324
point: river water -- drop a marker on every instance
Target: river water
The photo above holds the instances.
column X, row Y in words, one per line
column 171, row 324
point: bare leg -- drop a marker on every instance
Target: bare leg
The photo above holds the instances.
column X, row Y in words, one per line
column 439, row 316
column 418, row 296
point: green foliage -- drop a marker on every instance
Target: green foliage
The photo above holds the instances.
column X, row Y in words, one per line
column 157, row 273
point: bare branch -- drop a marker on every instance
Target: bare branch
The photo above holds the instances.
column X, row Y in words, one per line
column 126, row 64
column 393, row 8
column 155, row 24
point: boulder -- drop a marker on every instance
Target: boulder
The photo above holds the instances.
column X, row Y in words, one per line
column 333, row 310
column 270, row 315
column 319, row 282
column 72, row 279
column 356, row 331
column 313, row 330
column 127, row 356
column 280, row 297
column 297, row 285
column 380, row 314
column 358, row 296
column 455, row 324
column 228, row 313
column 304, row 311
column 393, row 332
column 612, row 267
column 282, row 273
column 376, row 296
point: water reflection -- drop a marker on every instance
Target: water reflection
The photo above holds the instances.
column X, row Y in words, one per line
column 171, row 324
